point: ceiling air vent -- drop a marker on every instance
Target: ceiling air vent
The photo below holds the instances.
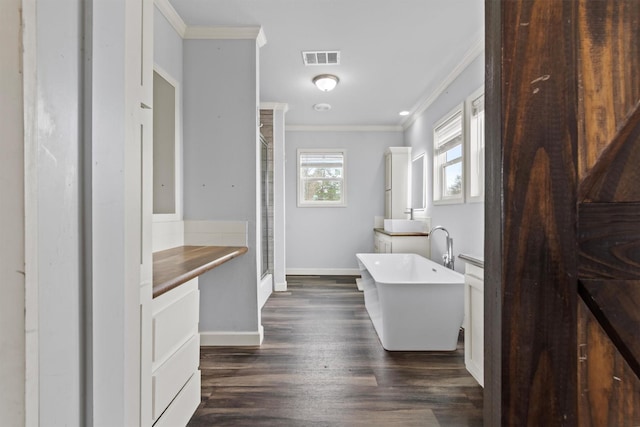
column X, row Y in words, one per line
column 330, row 57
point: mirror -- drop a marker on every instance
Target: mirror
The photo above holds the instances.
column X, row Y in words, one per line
column 418, row 196
column 164, row 145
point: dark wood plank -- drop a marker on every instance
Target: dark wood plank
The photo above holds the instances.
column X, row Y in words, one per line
column 609, row 82
column 616, row 305
column 493, row 216
column 537, row 126
column 176, row 266
column 616, row 174
column 609, row 389
column 609, row 240
column 321, row 364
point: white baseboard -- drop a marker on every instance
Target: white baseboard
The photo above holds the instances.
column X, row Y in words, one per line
column 265, row 289
column 280, row 287
column 232, row 339
column 323, row 271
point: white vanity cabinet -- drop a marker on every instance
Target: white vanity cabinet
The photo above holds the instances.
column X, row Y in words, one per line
column 414, row 243
column 397, row 162
column 175, row 355
column 474, row 317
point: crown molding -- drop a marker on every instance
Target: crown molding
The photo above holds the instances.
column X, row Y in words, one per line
column 476, row 49
column 342, row 128
column 276, row 106
column 226, row 33
column 172, row 16
column 195, row 33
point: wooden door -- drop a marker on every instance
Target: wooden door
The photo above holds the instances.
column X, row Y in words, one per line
column 562, row 283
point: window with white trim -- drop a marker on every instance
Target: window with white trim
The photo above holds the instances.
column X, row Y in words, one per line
column 475, row 160
column 321, row 177
column 448, row 156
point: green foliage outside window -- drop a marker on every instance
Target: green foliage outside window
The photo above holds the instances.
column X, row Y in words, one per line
column 321, row 176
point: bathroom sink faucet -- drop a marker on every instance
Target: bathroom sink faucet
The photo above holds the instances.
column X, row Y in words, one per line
column 447, row 259
column 410, row 212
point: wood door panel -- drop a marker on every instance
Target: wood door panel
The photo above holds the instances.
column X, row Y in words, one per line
column 608, row 34
column 609, row 240
column 616, row 305
column 609, row 391
column 616, row 174
column 563, row 207
column 608, row 232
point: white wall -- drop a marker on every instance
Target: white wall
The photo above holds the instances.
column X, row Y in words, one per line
column 12, row 302
column 465, row 222
column 220, row 170
column 60, row 269
column 325, row 239
column 167, row 48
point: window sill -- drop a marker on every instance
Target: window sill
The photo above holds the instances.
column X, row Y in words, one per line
column 448, row 202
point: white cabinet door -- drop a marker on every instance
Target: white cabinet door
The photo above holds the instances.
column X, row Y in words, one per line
column 384, row 243
column 474, row 322
column 397, row 167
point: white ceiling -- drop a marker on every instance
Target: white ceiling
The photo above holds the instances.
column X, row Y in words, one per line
column 394, row 54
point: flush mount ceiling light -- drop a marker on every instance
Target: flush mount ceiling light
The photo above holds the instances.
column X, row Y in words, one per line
column 325, row 82
column 404, row 113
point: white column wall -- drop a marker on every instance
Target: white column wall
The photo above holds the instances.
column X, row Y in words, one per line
column 279, row 183
column 220, row 170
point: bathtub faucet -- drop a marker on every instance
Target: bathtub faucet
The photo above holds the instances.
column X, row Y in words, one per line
column 447, row 259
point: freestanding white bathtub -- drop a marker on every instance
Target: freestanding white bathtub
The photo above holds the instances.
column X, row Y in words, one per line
column 414, row 303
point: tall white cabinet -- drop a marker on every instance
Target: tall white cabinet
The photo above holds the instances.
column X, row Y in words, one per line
column 397, row 199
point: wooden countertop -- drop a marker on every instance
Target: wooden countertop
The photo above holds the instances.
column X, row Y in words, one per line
column 411, row 233
column 175, row 266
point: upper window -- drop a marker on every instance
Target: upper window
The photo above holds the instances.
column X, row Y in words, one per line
column 475, row 162
column 448, row 155
column 321, row 177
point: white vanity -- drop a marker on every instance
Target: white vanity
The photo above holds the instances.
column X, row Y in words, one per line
column 175, row 341
column 412, row 235
column 474, row 316
column 403, row 242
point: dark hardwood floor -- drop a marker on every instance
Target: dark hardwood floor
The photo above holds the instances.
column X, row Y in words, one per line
column 321, row 364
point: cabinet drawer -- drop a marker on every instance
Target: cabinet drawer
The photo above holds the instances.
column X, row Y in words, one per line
column 174, row 325
column 169, row 378
column 474, row 270
column 185, row 404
